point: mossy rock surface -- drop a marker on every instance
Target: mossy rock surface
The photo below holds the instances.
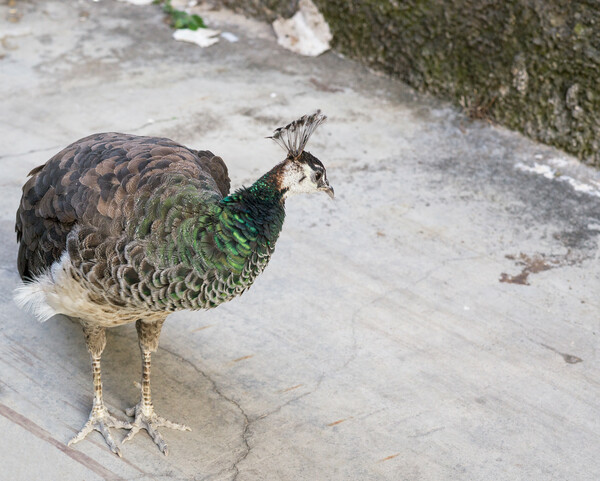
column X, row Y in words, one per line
column 531, row 65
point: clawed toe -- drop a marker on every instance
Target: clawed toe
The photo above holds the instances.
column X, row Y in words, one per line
column 147, row 419
column 100, row 420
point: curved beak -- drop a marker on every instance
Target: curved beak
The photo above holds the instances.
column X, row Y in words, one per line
column 325, row 187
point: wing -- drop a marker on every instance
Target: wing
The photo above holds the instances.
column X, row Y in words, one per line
column 97, row 182
column 217, row 169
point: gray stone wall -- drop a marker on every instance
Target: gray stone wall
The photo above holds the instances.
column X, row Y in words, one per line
column 531, row 65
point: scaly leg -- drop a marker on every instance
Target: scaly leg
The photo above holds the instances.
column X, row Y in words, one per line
column 100, row 419
column 145, row 417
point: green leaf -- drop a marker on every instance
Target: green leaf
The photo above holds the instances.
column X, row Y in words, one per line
column 181, row 19
column 198, row 21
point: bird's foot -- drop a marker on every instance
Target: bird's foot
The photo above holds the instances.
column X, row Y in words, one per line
column 146, row 418
column 100, row 420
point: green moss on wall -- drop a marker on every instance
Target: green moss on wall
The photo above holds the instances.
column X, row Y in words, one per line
column 535, row 65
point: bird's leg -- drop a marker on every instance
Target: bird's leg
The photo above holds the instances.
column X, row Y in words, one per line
column 100, row 419
column 145, row 417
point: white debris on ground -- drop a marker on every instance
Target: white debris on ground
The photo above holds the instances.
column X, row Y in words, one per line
column 224, row 19
column 220, row 17
column 203, row 37
column 553, row 174
column 230, row 37
column 138, row 2
column 306, row 33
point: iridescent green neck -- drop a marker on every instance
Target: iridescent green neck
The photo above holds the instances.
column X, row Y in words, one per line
column 267, row 188
column 223, row 244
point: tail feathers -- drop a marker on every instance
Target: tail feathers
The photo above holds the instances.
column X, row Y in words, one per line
column 31, row 296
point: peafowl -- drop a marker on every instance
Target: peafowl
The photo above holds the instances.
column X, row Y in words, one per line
column 117, row 228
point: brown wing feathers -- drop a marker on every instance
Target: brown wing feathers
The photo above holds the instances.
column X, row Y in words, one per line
column 217, row 169
column 95, row 181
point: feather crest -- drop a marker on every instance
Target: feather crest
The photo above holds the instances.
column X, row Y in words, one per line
column 294, row 136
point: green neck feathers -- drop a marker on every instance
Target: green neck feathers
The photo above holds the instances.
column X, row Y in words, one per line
column 209, row 235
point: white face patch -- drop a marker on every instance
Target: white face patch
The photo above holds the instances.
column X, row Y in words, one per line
column 299, row 178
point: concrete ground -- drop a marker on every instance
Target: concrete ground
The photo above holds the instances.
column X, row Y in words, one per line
column 438, row 321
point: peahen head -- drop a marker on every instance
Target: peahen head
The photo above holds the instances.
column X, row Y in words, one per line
column 301, row 172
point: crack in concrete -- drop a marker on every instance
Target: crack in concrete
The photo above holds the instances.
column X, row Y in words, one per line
column 245, row 454
column 56, row 147
column 427, row 433
column 290, row 401
column 246, row 430
column 152, row 122
column 355, row 314
column 443, row 264
column 33, row 151
column 248, row 421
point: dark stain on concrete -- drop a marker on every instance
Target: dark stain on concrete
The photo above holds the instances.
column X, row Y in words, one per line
column 534, row 264
column 569, row 358
column 323, row 86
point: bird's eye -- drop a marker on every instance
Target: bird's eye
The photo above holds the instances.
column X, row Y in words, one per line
column 318, row 175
